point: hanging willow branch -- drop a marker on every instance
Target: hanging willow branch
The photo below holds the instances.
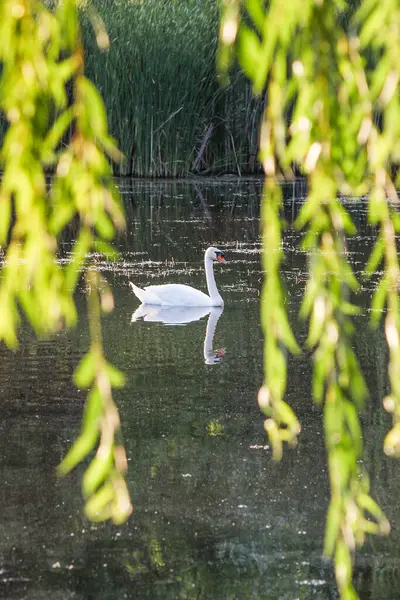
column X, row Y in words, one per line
column 333, row 109
column 103, row 483
column 45, row 98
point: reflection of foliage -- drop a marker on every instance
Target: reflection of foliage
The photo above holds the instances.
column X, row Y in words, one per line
column 156, row 556
column 215, row 428
column 339, row 120
column 42, row 63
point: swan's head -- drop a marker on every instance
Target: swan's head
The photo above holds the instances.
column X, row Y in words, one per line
column 215, row 254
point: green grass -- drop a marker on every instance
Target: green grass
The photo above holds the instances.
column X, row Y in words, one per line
column 160, row 86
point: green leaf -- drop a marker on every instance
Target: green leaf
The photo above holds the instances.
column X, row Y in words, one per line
column 56, row 132
column 110, row 147
column 377, row 206
column 104, row 226
column 67, row 14
column 79, row 251
column 349, row 309
column 375, row 258
column 276, row 368
column 98, row 470
column 5, row 215
column 67, row 67
column 256, row 10
column 379, row 301
column 366, row 6
column 93, row 409
column 286, row 416
column 368, row 504
column 98, row 507
column 285, row 333
column 318, row 382
column 61, row 216
column 80, row 449
column 117, row 377
column 249, row 52
column 333, row 523
column 353, row 424
column 95, row 113
column 373, row 26
column 89, row 435
column 109, row 251
column 58, row 93
column 333, row 421
column 340, row 461
column 85, row 371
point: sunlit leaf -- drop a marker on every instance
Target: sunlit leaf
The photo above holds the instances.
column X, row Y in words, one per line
column 98, row 470
column 105, row 248
column 104, row 226
column 249, row 52
column 80, row 449
column 5, row 214
column 333, row 522
column 98, row 507
column 80, row 249
column 56, row 132
column 117, row 378
column 375, row 257
column 256, row 10
column 85, row 371
column 95, row 113
column 379, row 301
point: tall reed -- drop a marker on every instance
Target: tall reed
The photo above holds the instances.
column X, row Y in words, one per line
column 159, row 82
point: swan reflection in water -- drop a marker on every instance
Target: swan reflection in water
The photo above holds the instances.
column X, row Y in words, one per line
column 182, row 315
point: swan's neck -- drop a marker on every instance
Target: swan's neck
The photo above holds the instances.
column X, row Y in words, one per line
column 211, row 285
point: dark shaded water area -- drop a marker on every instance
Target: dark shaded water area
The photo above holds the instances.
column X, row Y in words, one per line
column 214, row 517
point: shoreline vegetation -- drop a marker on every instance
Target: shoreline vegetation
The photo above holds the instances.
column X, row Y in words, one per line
column 165, row 105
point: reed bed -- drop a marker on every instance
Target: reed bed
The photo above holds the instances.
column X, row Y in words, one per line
column 159, row 83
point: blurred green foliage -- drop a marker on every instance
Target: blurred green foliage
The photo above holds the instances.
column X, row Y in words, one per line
column 330, row 73
column 44, row 93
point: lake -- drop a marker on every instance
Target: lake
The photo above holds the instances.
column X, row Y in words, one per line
column 214, row 518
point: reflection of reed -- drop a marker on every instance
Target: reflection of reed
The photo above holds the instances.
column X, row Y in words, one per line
column 377, row 577
column 159, row 214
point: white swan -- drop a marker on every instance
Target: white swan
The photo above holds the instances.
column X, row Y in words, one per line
column 176, row 294
column 174, row 315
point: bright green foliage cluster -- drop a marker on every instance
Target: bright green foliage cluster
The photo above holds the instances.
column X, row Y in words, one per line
column 44, row 93
column 331, row 81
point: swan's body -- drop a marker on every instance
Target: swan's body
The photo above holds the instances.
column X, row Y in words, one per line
column 176, row 294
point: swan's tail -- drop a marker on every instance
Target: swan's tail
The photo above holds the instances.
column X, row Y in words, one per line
column 139, row 293
column 139, row 313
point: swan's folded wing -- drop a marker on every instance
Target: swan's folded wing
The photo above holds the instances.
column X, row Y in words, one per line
column 176, row 294
column 145, row 296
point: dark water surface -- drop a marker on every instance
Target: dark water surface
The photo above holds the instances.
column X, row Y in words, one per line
column 214, row 518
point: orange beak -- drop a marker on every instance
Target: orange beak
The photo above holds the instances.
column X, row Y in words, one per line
column 220, row 258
